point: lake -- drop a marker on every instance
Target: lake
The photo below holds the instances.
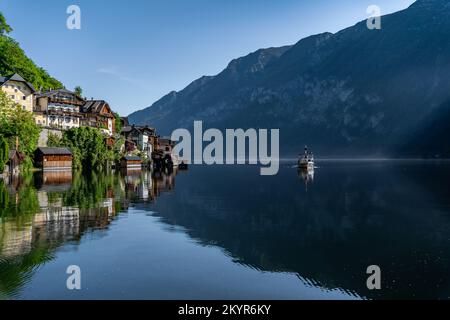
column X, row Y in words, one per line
column 225, row 232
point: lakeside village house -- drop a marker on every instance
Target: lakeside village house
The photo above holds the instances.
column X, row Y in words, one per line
column 61, row 109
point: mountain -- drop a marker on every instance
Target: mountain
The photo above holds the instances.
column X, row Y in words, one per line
column 356, row 92
column 429, row 139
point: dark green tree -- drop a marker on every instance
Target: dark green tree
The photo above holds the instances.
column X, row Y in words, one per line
column 78, row 91
column 18, row 123
column 118, row 123
column 88, row 147
column 54, row 141
column 5, row 28
column 4, row 151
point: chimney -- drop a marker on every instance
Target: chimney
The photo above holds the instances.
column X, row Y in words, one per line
column 17, row 143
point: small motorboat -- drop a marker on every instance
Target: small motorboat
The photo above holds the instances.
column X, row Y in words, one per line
column 306, row 161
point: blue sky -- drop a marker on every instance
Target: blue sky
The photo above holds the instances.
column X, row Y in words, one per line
column 131, row 53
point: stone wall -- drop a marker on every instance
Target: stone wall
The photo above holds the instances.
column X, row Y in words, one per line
column 43, row 138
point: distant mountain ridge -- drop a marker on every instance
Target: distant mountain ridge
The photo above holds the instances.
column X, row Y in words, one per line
column 356, row 92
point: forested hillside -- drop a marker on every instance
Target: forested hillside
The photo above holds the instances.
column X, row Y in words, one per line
column 14, row 60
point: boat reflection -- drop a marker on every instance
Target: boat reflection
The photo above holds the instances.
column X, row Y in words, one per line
column 307, row 174
column 394, row 215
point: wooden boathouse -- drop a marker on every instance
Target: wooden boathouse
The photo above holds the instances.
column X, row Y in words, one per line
column 53, row 159
column 131, row 163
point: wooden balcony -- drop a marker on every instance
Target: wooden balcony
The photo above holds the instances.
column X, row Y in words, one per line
column 52, row 112
column 64, row 101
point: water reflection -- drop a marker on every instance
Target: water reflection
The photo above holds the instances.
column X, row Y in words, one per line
column 40, row 212
column 395, row 215
column 307, row 174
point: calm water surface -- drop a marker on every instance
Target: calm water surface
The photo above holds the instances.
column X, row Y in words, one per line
column 228, row 233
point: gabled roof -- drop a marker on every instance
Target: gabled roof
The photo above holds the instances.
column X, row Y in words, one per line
column 16, row 77
column 132, row 158
column 125, row 121
column 166, row 140
column 148, row 129
column 95, row 106
column 57, row 151
column 14, row 153
column 129, row 129
column 57, row 91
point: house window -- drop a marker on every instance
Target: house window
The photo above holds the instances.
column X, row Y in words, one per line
column 13, row 97
column 24, row 98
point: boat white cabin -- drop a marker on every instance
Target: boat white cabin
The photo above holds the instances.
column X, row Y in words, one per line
column 306, row 161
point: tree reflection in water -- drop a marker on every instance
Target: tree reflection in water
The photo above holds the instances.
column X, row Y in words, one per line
column 41, row 212
column 395, row 215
